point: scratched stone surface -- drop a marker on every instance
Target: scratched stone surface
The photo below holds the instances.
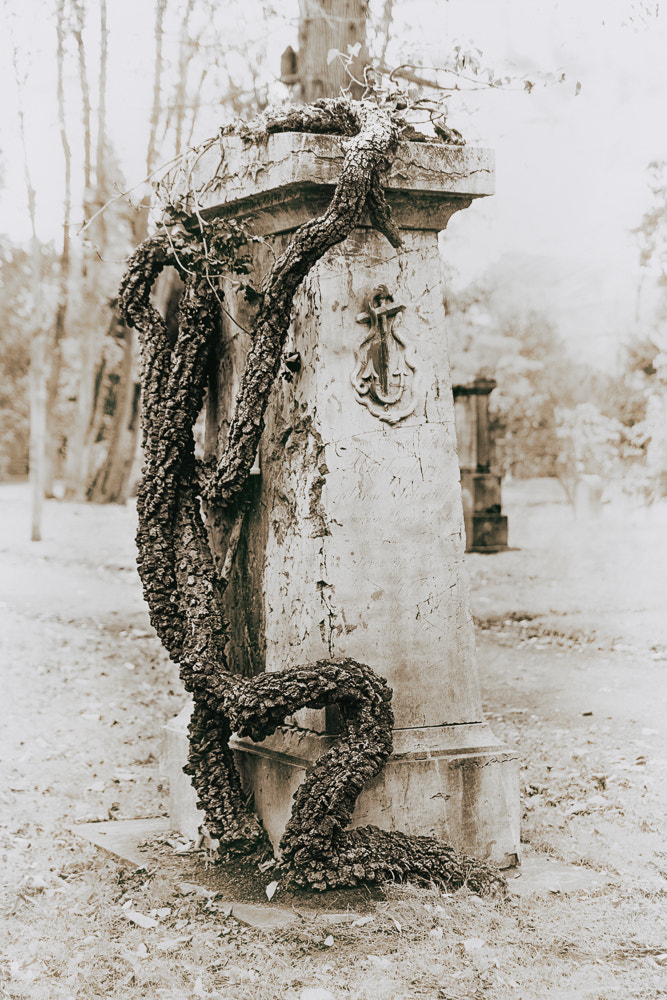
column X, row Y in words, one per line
column 266, row 181
column 364, row 548
column 353, row 544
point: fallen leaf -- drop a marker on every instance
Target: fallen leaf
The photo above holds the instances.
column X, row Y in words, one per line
column 186, row 888
column 380, row 961
column 27, row 972
column 577, row 809
column 141, row 919
column 271, row 890
column 36, row 882
column 473, row 944
column 172, row 944
column 328, row 941
column 362, row 921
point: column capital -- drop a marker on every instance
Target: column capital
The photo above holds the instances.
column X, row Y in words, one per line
column 279, row 183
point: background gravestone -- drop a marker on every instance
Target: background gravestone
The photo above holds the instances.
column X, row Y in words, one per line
column 485, row 525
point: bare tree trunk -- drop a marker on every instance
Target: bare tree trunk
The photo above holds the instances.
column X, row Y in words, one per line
column 53, row 349
column 92, row 368
column 76, row 468
column 326, row 25
column 181, row 89
column 151, row 153
column 100, row 158
column 385, row 28
column 37, row 373
column 77, row 32
column 111, row 484
column 78, row 441
column 91, row 392
column 37, row 390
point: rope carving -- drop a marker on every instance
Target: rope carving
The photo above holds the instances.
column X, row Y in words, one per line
column 181, row 585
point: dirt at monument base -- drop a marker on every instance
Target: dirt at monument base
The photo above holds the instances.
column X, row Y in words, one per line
column 572, row 650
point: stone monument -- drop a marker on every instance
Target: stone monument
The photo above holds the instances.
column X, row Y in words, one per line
column 485, row 525
column 353, row 543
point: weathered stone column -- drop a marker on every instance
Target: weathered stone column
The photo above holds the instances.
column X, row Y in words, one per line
column 485, row 525
column 354, row 541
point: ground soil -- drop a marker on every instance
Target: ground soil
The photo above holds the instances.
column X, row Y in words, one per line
column 572, row 651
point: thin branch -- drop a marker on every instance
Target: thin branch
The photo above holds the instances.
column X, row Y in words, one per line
column 125, row 194
column 406, row 71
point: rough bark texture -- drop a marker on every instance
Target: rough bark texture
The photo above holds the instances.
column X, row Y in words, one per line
column 326, row 25
column 180, row 582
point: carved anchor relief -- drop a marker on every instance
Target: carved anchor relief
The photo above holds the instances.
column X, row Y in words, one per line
column 384, row 378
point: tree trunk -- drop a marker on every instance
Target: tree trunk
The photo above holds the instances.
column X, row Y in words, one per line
column 77, row 32
column 181, row 88
column 100, row 158
column 326, row 25
column 54, row 350
column 37, row 372
column 151, row 154
column 111, row 484
column 37, row 388
column 79, row 441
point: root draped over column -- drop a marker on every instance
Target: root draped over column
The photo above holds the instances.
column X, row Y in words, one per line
column 181, row 585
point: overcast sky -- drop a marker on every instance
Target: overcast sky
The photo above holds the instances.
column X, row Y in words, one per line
column 571, row 156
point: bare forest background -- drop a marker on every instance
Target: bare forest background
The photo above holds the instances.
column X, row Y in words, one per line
column 579, row 351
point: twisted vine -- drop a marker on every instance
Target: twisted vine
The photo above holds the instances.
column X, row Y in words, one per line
column 181, row 585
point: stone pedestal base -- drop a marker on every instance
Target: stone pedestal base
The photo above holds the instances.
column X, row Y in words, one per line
column 485, row 526
column 183, row 812
column 456, row 783
column 487, row 533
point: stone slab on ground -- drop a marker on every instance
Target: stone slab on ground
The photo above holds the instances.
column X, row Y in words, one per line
column 538, row 874
column 264, row 918
column 543, row 875
column 123, row 838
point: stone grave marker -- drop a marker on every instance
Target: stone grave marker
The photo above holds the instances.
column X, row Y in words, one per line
column 353, row 543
